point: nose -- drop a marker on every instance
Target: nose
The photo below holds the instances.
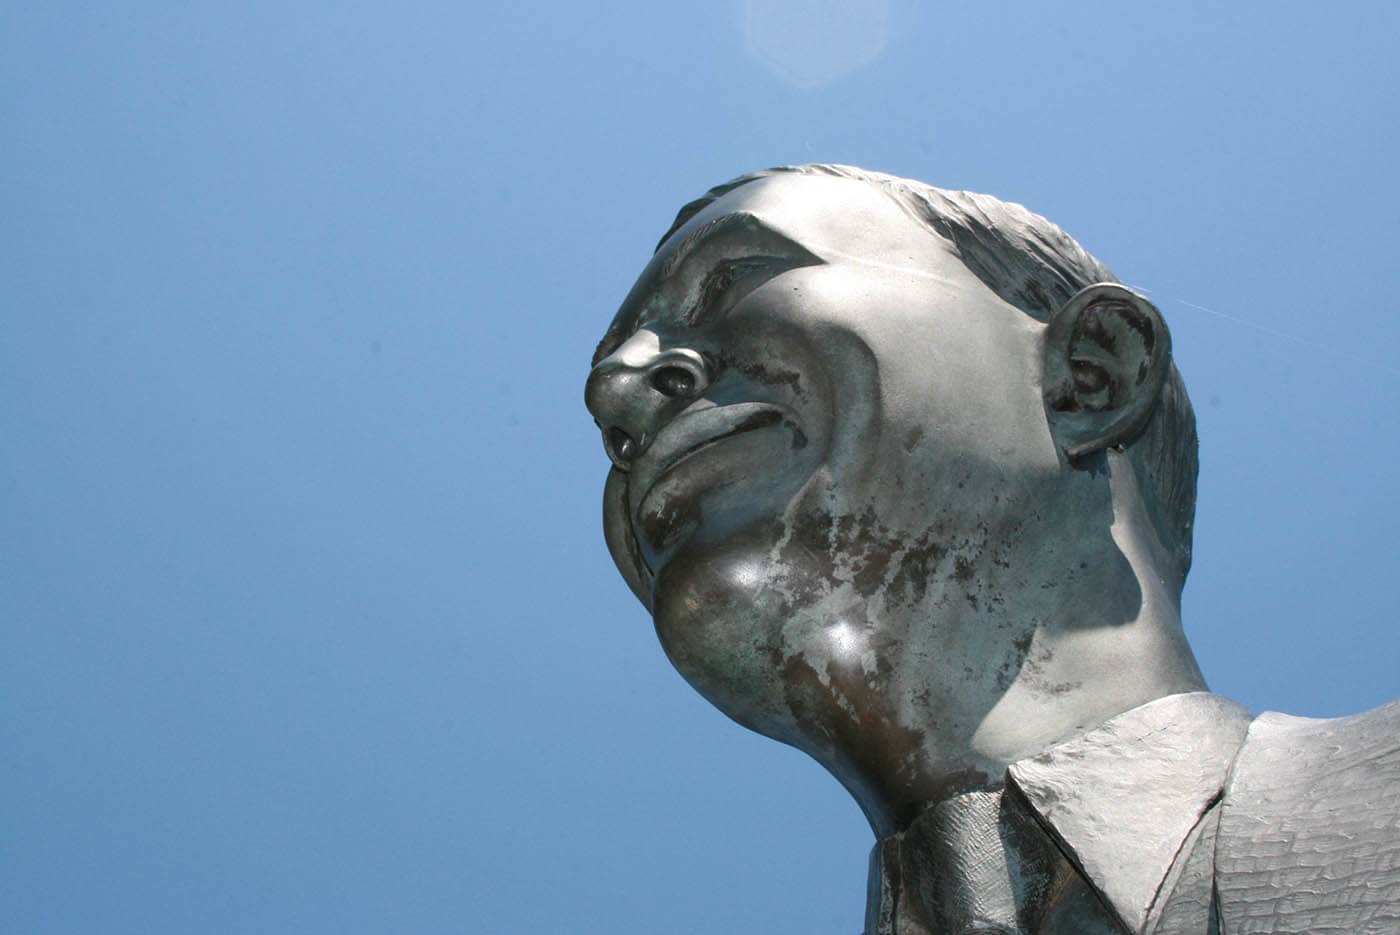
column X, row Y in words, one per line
column 637, row 388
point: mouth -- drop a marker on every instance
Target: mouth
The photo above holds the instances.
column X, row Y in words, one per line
column 690, row 435
column 695, row 431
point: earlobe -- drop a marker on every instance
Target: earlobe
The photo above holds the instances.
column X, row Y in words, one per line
column 1107, row 353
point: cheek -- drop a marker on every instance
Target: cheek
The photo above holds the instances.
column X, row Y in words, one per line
column 760, row 352
column 825, row 372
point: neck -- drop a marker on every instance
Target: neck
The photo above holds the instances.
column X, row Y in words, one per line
column 1092, row 633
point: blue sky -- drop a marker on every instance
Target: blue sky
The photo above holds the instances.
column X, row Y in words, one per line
column 307, row 623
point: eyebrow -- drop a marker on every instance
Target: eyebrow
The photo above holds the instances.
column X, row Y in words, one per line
column 713, row 229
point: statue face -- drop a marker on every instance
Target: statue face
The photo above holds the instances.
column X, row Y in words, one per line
column 824, row 429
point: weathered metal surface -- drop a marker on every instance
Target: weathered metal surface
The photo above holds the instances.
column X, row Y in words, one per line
column 1186, row 902
column 907, row 481
column 1310, row 828
column 1123, row 798
column 980, row 862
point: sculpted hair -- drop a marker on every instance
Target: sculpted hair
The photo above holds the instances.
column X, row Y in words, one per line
column 1032, row 264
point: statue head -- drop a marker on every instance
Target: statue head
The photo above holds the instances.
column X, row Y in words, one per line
column 905, row 477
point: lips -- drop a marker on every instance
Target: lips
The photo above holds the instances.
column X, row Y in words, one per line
column 692, row 434
column 693, row 431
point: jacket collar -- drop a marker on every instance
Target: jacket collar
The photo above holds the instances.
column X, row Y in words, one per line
column 1119, row 802
column 1121, row 799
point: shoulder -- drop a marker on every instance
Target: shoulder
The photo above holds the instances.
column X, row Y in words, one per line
column 1309, row 835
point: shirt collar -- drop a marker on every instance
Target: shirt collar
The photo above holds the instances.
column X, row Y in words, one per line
column 1121, row 799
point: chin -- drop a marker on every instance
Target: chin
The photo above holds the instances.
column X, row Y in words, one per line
column 726, row 631
column 722, row 561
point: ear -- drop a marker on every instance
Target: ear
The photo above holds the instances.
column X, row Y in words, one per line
column 1107, row 352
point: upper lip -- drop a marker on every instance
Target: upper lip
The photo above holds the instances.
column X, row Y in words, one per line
column 692, row 430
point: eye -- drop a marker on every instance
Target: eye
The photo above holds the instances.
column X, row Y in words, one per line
column 718, row 292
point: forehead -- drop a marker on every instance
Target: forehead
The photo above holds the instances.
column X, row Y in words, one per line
column 837, row 221
column 835, row 218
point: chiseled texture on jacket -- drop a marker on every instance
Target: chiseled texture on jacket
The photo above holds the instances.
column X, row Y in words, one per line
column 1181, row 816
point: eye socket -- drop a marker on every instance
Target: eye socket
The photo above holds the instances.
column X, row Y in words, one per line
column 718, row 293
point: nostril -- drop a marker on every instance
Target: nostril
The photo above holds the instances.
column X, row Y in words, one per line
column 674, row 381
column 622, row 446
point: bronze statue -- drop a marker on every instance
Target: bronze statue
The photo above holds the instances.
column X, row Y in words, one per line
column 907, row 481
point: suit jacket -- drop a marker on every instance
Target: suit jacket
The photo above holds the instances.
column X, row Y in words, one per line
column 1184, row 815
